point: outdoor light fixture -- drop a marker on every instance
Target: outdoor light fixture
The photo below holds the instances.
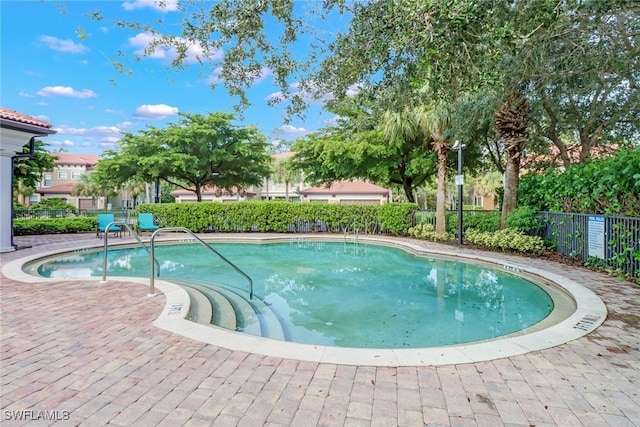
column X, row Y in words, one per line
column 460, row 183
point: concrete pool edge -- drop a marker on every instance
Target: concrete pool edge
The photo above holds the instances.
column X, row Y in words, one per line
column 589, row 314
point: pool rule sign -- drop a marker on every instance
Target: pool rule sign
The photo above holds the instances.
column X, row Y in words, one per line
column 596, row 236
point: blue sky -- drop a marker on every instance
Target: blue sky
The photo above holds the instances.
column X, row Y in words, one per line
column 49, row 72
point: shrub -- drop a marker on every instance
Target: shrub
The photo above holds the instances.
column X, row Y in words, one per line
column 28, row 227
column 52, row 204
column 483, row 221
column 525, row 219
column 507, row 239
column 280, row 217
column 428, row 232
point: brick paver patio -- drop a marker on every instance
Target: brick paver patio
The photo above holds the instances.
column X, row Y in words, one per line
column 87, row 353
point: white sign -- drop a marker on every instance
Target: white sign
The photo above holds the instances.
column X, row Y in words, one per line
column 459, row 179
column 596, row 236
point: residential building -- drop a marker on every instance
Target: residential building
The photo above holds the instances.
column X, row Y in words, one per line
column 347, row 192
column 66, row 172
column 214, row 194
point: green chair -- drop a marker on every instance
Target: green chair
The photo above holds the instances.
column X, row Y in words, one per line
column 146, row 222
column 103, row 221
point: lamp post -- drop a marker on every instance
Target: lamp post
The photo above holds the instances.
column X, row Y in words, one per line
column 460, row 183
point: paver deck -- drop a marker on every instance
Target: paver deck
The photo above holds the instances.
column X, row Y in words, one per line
column 86, row 353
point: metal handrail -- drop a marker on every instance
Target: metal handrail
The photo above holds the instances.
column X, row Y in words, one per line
column 106, row 244
column 186, row 230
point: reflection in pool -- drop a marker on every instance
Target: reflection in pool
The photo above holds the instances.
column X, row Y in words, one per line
column 345, row 294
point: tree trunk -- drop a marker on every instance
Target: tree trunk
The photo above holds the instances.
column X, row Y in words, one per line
column 442, row 148
column 408, row 190
column 286, row 190
column 511, row 183
column 199, row 193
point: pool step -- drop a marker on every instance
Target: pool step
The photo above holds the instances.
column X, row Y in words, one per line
column 221, row 311
column 200, row 310
column 232, row 309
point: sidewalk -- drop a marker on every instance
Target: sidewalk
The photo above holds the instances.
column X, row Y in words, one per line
column 87, row 354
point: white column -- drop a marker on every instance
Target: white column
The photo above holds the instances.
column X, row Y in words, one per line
column 6, row 201
column 11, row 143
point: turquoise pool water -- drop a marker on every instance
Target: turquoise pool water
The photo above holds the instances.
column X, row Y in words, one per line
column 345, row 294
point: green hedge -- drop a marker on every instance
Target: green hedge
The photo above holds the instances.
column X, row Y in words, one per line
column 281, row 217
column 27, row 227
column 272, row 216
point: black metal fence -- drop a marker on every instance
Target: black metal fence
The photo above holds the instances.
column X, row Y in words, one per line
column 615, row 239
column 120, row 213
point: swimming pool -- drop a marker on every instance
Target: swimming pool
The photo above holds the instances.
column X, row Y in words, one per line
column 577, row 310
column 341, row 294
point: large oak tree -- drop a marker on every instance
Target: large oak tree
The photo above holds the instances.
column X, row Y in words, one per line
column 195, row 152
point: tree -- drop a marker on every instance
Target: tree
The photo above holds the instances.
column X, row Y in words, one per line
column 436, row 123
column 27, row 171
column 90, row 186
column 512, row 120
column 283, row 172
column 197, row 151
column 585, row 85
column 336, row 154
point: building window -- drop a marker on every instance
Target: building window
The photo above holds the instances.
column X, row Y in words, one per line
column 75, row 175
column 62, row 174
column 47, row 179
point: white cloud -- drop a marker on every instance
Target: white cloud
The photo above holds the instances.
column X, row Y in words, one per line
column 58, row 143
column 331, row 121
column 111, row 111
column 293, row 131
column 66, row 91
column 297, row 89
column 125, row 125
column 309, row 94
column 109, row 142
column 42, row 117
column 67, row 46
column 353, row 89
column 214, row 78
column 158, row 5
column 155, row 112
column 141, row 42
column 25, row 94
column 94, row 131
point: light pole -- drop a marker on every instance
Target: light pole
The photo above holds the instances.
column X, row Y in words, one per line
column 460, row 183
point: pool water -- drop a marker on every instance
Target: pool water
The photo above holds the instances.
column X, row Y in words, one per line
column 345, row 294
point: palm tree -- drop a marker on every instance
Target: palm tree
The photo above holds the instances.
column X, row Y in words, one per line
column 283, row 172
column 402, row 128
column 512, row 119
column 435, row 122
column 87, row 187
column 429, row 125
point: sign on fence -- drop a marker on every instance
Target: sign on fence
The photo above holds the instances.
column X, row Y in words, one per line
column 596, row 236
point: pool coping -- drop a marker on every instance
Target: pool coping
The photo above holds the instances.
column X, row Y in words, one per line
column 589, row 314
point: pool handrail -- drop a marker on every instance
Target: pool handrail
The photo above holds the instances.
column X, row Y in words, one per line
column 186, row 230
column 106, row 244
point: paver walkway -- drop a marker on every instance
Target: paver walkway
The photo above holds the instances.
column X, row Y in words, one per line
column 87, row 354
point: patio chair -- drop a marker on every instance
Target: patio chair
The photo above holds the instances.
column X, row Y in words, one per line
column 103, row 221
column 146, row 222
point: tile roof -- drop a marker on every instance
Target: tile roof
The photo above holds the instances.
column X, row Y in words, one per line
column 8, row 114
column 76, row 159
column 283, row 156
column 57, row 189
column 347, row 187
column 212, row 190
